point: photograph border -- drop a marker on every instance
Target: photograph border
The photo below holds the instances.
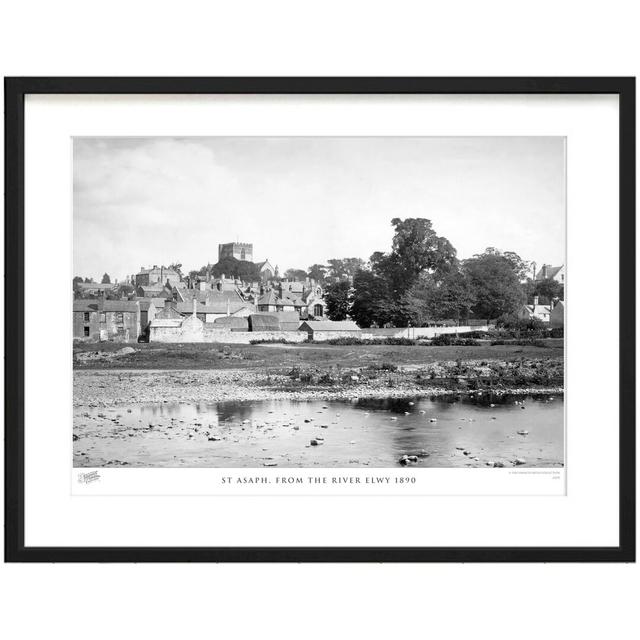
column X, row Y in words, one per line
column 15, row 91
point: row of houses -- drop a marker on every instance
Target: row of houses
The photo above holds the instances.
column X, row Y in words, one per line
column 128, row 320
column 552, row 313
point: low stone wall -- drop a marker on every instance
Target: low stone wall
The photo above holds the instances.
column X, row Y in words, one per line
column 209, row 334
column 245, row 337
column 418, row 332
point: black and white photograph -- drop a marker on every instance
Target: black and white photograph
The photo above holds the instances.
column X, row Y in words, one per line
column 319, row 302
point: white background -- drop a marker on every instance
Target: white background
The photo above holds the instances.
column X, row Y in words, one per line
column 586, row 516
column 332, row 38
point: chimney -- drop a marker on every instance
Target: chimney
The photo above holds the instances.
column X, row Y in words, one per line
column 195, row 305
column 202, row 286
column 228, row 308
column 535, row 301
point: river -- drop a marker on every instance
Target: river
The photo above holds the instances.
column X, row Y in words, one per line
column 442, row 431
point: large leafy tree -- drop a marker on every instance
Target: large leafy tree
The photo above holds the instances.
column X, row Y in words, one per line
column 371, row 302
column 431, row 299
column 106, row 279
column 416, row 251
column 521, row 267
column 317, row 272
column 337, row 297
column 344, row 268
column 234, row 268
column 295, row 274
column 546, row 289
column 417, row 248
column 495, row 280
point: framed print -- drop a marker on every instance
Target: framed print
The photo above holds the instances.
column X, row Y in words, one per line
column 320, row 319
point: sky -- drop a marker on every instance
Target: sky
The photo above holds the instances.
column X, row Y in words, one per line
column 300, row 201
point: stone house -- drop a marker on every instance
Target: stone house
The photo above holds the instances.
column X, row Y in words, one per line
column 328, row 329
column 153, row 291
column 156, row 275
column 547, row 272
column 88, row 289
column 535, row 310
column 207, row 312
column 101, row 320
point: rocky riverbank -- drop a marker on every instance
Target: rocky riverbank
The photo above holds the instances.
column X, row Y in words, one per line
column 94, row 388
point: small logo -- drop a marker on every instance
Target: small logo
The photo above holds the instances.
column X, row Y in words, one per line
column 87, row 478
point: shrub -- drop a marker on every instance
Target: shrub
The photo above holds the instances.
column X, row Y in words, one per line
column 451, row 339
column 349, row 341
column 384, row 366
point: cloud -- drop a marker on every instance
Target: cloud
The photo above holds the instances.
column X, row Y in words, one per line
column 141, row 201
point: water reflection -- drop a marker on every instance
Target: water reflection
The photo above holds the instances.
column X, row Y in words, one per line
column 453, row 430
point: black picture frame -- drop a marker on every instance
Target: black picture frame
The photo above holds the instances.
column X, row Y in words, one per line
column 15, row 91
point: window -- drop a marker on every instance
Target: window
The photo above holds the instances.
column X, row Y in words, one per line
column 86, row 316
column 317, row 310
column 103, row 316
column 86, row 331
column 243, row 255
column 119, row 317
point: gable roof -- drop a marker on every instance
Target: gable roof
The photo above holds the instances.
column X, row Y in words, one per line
column 274, row 321
column 232, row 322
column 106, row 305
column 538, row 308
column 168, row 312
column 551, row 272
column 264, row 322
column 152, row 290
column 268, row 298
column 186, row 308
column 209, row 296
column 97, row 286
column 330, row 325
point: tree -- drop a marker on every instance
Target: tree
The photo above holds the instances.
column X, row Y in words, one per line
column 416, row 251
column 337, row 297
column 416, row 247
column 234, row 268
column 317, row 272
column 371, row 302
column 431, row 299
column 546, row 289
column 106, row 279
column 496, row 284
column 344, row 268
column 297, row 275
column 521, row 267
